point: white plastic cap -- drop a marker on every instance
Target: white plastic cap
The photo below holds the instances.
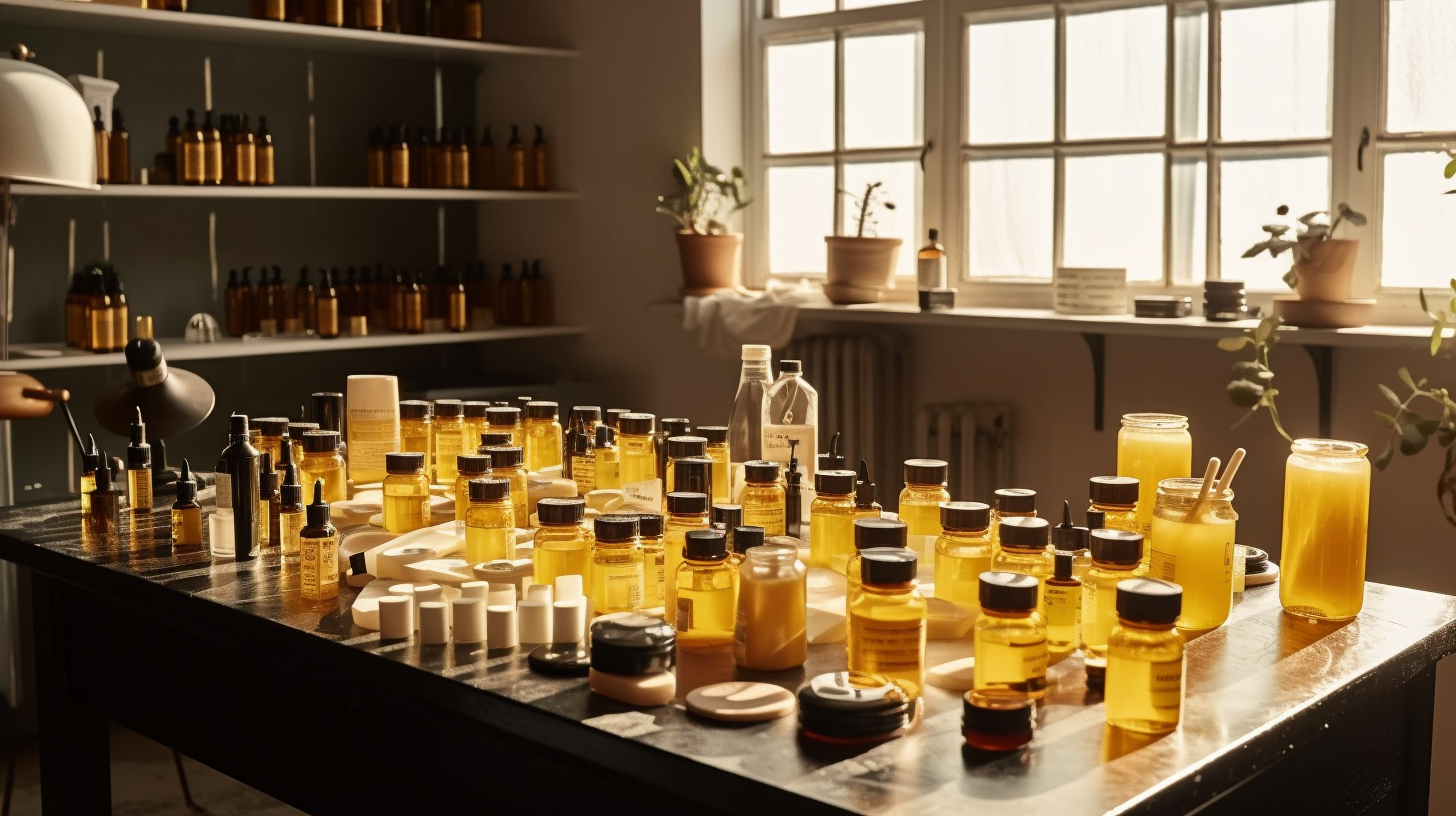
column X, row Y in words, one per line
column 538, row 592
column 396, row 617
column 534, row 621
column 469, row 619
column 756, row 353
column 434, row 625
column 568, row 587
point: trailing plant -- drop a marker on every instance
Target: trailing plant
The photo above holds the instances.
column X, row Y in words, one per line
column 1309, row 229
column 706, row 195
column 1253, row 384
column 865, row 205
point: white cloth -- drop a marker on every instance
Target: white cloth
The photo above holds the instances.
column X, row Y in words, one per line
column 723, row 323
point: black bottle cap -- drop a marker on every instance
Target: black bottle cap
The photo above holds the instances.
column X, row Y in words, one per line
column 103, row 473
column 649, row 525
column 705, row 545
column 138, row 452
column 925, row 471
column 328, row 410
column 414, row 409
column 560, row 660
column 500, row 416
column 965, row 515
column 186, row 485
column 760, row 471
column 320, row 441
column 745, row 538
column 1062, row 564
column 791, row 367
column 495, row 439
column 561, row 512
column 267, row 477
column 1121, row 491
column 687, row 503
column 615, row 527
column 727, row 515
column 586, row 413
column 864, row 494
column 1149, row 601
column 854, row 705
column 834, row 482
column 633, row 645
column 1067, row 536
column 238, row 426
column 1014, row 500
column 486, row 490
column 1117, row 547
column 404, row 463
column 605, row 436
column 715, row 434
column 317, row 512
column 469, row 463
column 693, row 475
column 1008, row 718
column 296, row 430
column 505, row 456
column 887, row 565
column 880, row 532
column 449, row 408
column 686, row 447
column 614, row 416
column 637, row 424
column 91, row 459
column 272, row 426
column 1025, row 533
column 677, row 426
column 541, row 409
column 475, row 409
column 1096, row 519
column 1010, row 591
column 831, row 459
column 291, row 493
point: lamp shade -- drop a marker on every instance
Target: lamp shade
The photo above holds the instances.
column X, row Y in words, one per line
column 46, row 135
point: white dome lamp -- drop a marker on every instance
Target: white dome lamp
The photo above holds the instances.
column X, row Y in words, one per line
column 46, row 137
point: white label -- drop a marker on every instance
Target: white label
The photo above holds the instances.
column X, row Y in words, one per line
column 1089, row 291
column 776, row 447
column 930, row 273
column 647, row 493
column 224, row 491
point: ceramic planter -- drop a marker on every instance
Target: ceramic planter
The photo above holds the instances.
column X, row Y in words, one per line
column 858, row 268
column 710, row 263
column 1326, row 269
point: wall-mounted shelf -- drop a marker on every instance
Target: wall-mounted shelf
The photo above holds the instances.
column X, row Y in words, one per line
column 278, row 193
column 246, row 31
column 52, row 356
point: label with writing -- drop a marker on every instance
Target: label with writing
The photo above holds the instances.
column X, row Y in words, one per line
column 776, row 447
column 584, row 473
column 624, row 590
column 224, row 491
column 768, row 515
column 1162, row 565
column 1062, row 604
column 1167, row 684
column 370, row 438
column 1033, row 658
column 684, row 614
column 645, row 494
column 890, row 646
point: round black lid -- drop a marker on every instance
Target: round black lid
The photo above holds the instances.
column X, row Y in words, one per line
column 727, row 515
column 745, row 538
column 1025, row 533
column 560, row 511
column 692, row 475
column 484, row 490
column 560, row 659
column 1013, row 717
column 637, row 424
column 705, row 545
column 542, row 409
column 925, row 471
column 1255, row 561
column 605, row 436
column 880, row 532
column 1117, row 547
column 682, row 503
column 760, row 471
column 328, row 409
column 677, row 426
column 851, row 705
column 320, row 441
column 502, row 416
column 505, row 456
column 474, row 409
column 588, row 414
column 1062, row 565
column 1014, row 500
column 965, row 515
column 633, row 645
column 1115, row 490
column 715, row 434
column 449, row 408
column 404, row 462
column 291, row 493
column 414, row 409
column 835, row 482
column 471, row 463
column 649, row 525
column 686, row 447
column 496, row 439
column 615, row 527
column 272, row 426
column 1010, row 591
column 1149, row 601
column 887, row 565
column 1096, row 519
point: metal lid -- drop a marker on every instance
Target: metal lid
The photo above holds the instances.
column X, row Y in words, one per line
column 687, row 503
column 414, row 409
column 705, row 545
column 320, row 441
column 449, row 408
column 686, row 447
column 542, row 409
column 637, row 424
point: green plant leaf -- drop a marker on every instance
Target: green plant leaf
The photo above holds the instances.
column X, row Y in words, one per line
column 1436, row 333
column 1387, row 420
column 1412, row 441
column 1245, row 394
column 1235, row 343
column 1405, row 377
column 1451, row 168
column 1384, row 458
column 1390, row 395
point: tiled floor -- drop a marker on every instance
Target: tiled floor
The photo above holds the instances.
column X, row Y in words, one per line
column 144, row 783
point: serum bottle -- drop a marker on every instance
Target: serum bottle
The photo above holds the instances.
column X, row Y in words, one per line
column 1063, row 593
column 90, row 464
column 269, row 502
column 139, row 467
column 887, row 619
column 105, row 516
column 1145, row 658
column 318, row 544
column 291, row 515
column 186, row 513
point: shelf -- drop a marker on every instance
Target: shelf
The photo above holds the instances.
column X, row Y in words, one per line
column 246, row 31
column 52, row 356
column 278, row 193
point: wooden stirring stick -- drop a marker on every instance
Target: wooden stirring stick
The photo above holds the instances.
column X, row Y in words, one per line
column 1228, row 472
column 1203, row 491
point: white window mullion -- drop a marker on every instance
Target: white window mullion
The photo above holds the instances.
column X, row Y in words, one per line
column 1059, row 119
column 1213, row 269
column 1357, row 104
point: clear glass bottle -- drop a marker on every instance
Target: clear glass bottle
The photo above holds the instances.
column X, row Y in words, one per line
column 1010, row 642
column 920, row 502
column 468, row 467
column 930, row 272
column 606, row 463
column 685, row 512
column 506, row 419
column 654, row 554
column 616, row 579
column 473, row 423
column 578, row 439
column 291, row 514
column 449, row 437
column 1151, row 448
column 791, row 412
column 543, row 435
column 887, row 619
column 583, row 459
column 1010, row 502
column 831, row 520
column 406, row 492
column 706, row 602
column 745, row 420
column 490, row 521
column 318, row 544
column 1326, row 521
column 506, row 463
column 721, row 454
column 1063, row 594
column 322, row 461
column 186, row 513
column 771, row 633
column 638, row 451
column 1115, row 556
column 563, row 543
column 962, row 553
column 273, row 436
column 1117, row 498
column 1195, row 553
column 880, row 533
column 763, row 497
column 1024, row 541
column 1145, row 660
column 296, row 430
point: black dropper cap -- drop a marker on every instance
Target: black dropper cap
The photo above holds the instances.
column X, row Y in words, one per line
column 832, row 459
column 745, row 538
column 1062, row 565
column 1149, row 601
column 186, row 485
column 875, row 532
column 965, row 515
column 887, row 565
column 103, row 473
column 317, row 513
column 138, row 452
column 1025, row 533
column 705, row 545
column 1010, row 591
column 1067, row 536
column 267, row 476
column 864, row 489
column 605, row 436
column 91, row 459
column 291, row 493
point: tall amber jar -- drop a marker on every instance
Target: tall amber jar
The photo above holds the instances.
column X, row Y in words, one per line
column 1326, row 513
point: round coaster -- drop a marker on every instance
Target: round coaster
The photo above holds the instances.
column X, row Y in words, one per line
column 561, row 659
column 739, row 701
column 1268, row 576
column 957, row 675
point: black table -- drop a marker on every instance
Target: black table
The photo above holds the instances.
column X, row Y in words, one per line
column 225, row 662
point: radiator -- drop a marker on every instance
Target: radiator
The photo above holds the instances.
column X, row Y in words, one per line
column 975, row 438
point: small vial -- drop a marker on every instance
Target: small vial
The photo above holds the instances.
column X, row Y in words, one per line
column 868, row 534
column 577, row 443
column 770, row 632
column 831, row 520
column 506, row 463
column 449, row 436
column 650, row 534
column 707, row 591
column 631, row 660
column 406, row 492
column 291, row 515
column 415, row 422
column 542, row 433
column 563, row 544
column 1024, row 541
column 270, row 502
column 1009, row 502
column 296, row 430
column 90, row 463
column 468, row 467
column 1009, row 641
column 921, row 499
column 104, row 516
column 962, row 553
column 1117, row 498
column 1073, row 539
column 887, row 619
column 638, row 451
column 727, row 517
column 763, row 497
column 1145, row 659
column 865, row 505
column 1063, row 594
column 139, row 467
column 322, row 462
column 685, row 512
column 272, row 435
column 606, row 464
column 318, row 545
column 186, row 513
column 506, row 419
column 490, row 521
column 1115, row 555
column 616, row 581
column 472, row 422
column 719, row 452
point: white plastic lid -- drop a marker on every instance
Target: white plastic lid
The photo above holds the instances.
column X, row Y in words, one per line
column 756, row 353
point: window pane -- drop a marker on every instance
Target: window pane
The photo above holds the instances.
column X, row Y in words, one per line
column 1010, row 216
column 1275, row 68
column 1190, row 75
column 1190, row 220
column 1012, row 84
column 801, row 97
column 1116, row 73
column 1250, row 192
column 901, row 188
column 882, row 90
column 800, row 214
column 1416, row 221
column 1114, row 214
column 1422, row 54
column 795, row 8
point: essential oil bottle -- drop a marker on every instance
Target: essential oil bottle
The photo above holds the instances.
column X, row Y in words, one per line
column 685, row 512
column 490, row 521
column 1010, row 642
column 685, row 447
column 763, row 497
column 887, row 619
column 468, row 467
column 616, row 580
column 542, row 432
column 269, row 502
column 1117, row 498
column 831, row 520
column 1115, row 556
column 1063, row 594
column 654, row 559
column 1145, row 658
column 1024, row 541
column 563, row 543
column 90, row 464
column 186, row 513
column 921, row 499
column 506, row 419
column 291, row 514
column 506, row 463
column 865, row 505
column 770, row 633
column 415, row 421
column 606, row 463
column 870, row 534
column 722, row 455
column 273, row 436
column 1073, row 539
column 237, row 487
column 406, row 492
column 706, row 605
column 318, row 544
column 962, row 553
column 104, row 518
column 139, row 467
column 473, row 421
column 638, row 451
column 449, row 435
column 322, row 462
column 1009, row 502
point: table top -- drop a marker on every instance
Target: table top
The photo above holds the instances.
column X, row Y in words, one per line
column 1263, row 684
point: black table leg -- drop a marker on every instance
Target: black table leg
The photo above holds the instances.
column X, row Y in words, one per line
column 75, row 742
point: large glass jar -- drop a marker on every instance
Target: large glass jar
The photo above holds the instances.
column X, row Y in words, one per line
column 1151, row 448
column 1326, row 511
column 771, row 633
column 1195, row 553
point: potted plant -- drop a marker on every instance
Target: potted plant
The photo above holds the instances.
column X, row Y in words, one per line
column 711, row 255
column 1323, row 270
column 861, row 265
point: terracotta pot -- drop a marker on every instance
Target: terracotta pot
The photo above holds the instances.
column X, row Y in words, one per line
column 710, row 263
column 1328, row 271
column 860, row 265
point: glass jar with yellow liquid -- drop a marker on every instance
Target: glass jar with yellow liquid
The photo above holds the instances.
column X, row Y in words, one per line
column 685, row 447
column 770, row 633
column 415, row 420
column 879, row 533
column 1010, row 502
column 654, row 554
column 272, row 435
column 505, row 419
column 1115, row 557
column 831, row 519
column 763, row 497
column 887, row 619
column 1024, row 541
column 706, row 603
column 1151, row 448
column 606, row 463
column 296, row 430
column 543, row 435
column 962, row 553
column 468, row 467
column 920, row 502
column 563, row 544
column 1010, row 641
column 1117, row 498
column 685, row 512
column 322, row 461
column 449, row 438
column 616, row 580
column 490, row 521
column 1144, row 691
column 718, row 451
column 637, row 451
column 506, row 463
column 1195, row 553
column 1063, row 594
column 473, row 423
column 1326, row 516
column 406, row 492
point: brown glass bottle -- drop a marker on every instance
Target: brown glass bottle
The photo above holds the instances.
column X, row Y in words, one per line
column 540, row 162
column 515, row 161
column 398, row 154
column 471, row 27
column 99, row 315
column 442, row 156
column 508, row 298
column 457, row 318
column 245, row 153
column 413, row 305
column 103, row 147
column 192, row 160
column 227, row 129
column 482, row 164
column 264, row 157
column 371, row 15
column 119, row 163
column 460, row 160
column 331, row 13
column 212, row 151
column 120, row 315
column 326, row 309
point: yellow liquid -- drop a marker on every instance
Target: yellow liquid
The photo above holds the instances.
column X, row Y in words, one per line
column 722, row 473
column 1011, row 657
column 414, row 437
column 271, row 445
column 1036, row 563
column 369, row 440
column 520, row 495
column 654, row 572
column 264, row 526
column 1326, row 518
column 608, row 468
column 706, row 604
column 831, row 532
column 543, row 444
column 770, row 633
column 449, row 441
column 995, row 528
column 88, row 484
column 1144, row 686
column 561, row 551
column 1151, row 458
column 471, row 429
column 763, row 506
column 639, row 458
column 675, row 530
column 319, row 569
column 584, row 473
column 1099, row 608
column 406, row 503
column 517, row 437
column 616, row 580
column 960, row 558
column 139, row 489
column 462, row 492
column 1063, row 615
column 1118, row 518
column 887, row 635
column 920, row 510
column 187, row 527
column 289, row 526
column 490, row 533
column 330, row 468
column 1199, row 557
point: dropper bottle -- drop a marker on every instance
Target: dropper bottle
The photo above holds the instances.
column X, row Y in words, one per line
column 1072, row 539
column 291, row 516
column 319, row 549
column 139, row 467
column 865, row 505
column 186, row 512
column 105, row 516
column 793, row 493
column 90, row 464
